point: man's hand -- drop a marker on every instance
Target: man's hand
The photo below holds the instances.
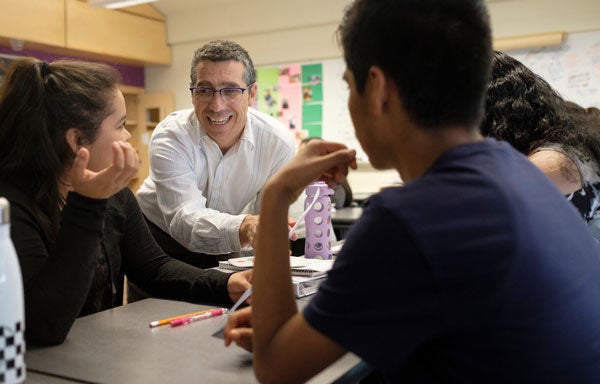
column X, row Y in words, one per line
column 248, row 230
column 238, row 283
column 239, row 329
column 291, row 223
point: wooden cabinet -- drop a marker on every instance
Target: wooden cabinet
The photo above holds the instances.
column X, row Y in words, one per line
column 41, row 21
column 135, row 35
column 144, row 112
column 116, row 33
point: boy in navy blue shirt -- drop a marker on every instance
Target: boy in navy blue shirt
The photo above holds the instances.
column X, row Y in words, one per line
column 462, row 275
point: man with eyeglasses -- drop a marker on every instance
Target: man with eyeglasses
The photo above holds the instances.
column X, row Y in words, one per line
column 208, row 164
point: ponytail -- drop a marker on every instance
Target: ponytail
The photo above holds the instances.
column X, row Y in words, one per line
column 39, row 102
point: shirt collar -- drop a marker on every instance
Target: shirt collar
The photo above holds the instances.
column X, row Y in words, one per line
column 249, row 132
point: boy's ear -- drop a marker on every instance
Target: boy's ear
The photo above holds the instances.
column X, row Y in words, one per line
column 377, row 89
column 74, row 139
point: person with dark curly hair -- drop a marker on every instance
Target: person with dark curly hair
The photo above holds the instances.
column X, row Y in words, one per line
column 560, row 137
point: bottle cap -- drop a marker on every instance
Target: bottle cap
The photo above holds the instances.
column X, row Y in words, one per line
column 324, row 189
column 4, row 211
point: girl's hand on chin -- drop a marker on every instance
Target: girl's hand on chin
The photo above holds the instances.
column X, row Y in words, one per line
column 110, row 180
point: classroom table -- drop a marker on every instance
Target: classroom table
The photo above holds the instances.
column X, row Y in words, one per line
column 117, row 346
column 360, row 197
column 342, row 219
column 43, row 378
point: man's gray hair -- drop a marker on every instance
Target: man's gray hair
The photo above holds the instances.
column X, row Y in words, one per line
column 224, row 50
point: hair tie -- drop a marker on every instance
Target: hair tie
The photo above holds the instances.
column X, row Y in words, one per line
column 45, row 70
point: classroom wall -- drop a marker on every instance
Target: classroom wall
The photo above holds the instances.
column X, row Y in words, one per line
column 273, row 31
column 290, row 31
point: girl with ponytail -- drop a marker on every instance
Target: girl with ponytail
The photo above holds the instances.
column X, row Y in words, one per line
column 64, row 166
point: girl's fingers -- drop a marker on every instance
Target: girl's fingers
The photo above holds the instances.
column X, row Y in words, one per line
column 133, row 162
column 125, row 164
column 118, row 156
column 80, row 162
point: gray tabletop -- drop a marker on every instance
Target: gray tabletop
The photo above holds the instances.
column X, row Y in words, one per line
column 41, row 378
column 117, row 346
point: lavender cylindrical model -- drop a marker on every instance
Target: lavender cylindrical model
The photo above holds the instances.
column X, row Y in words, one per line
column 318, row 222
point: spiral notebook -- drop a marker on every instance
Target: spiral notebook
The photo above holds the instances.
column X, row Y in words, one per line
column 305, row 286
column 300, row 266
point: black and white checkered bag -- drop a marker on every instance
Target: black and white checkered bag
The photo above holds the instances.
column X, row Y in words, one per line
column 12, row 353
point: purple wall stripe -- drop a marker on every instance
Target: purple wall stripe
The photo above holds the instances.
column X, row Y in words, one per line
column 131, row 74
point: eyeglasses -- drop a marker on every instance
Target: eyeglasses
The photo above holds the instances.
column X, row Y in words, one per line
column 231, row 94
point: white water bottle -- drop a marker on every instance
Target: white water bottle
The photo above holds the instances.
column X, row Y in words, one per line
column 12, row 312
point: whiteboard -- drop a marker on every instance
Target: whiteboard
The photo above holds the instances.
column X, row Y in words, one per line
column 337, row 124
column 573, row 68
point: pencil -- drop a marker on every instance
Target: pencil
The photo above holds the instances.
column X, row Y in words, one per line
column 158, row 323
column 207, row 315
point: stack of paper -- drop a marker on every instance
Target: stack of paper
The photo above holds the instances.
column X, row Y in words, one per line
column 300, row 265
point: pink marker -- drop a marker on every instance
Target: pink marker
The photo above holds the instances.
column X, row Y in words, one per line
column 202, row 316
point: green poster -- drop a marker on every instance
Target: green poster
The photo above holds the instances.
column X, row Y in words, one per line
column 312, row 99
column 300, row 88
column 268, row 90
column 313, row 129
column 312, row 73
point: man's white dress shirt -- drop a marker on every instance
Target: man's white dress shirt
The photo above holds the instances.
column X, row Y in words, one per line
column 200, row 196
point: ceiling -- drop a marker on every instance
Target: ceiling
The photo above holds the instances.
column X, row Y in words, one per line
column 173, row 7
